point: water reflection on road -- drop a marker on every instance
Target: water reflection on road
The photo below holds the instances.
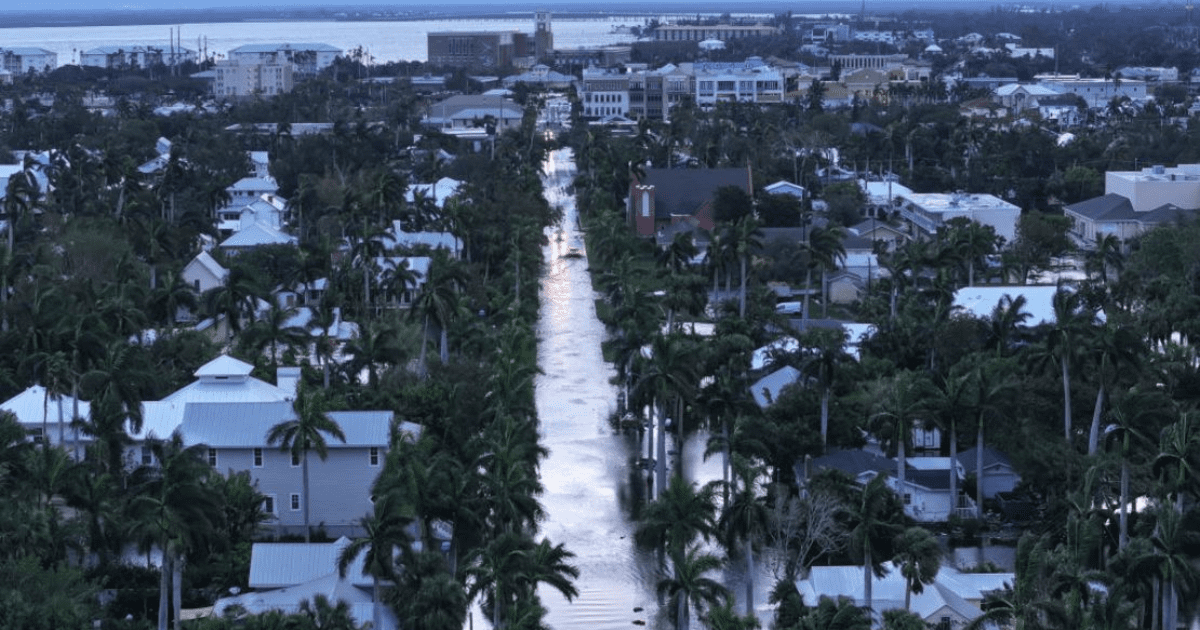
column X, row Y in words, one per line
column 591, row 487
column 587, row 474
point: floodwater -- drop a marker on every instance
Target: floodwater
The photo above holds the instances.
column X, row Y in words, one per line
column 587, row 475
column 591, row 486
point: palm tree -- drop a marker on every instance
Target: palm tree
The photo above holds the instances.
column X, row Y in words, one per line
column 688, row 584
column 873, row 522
column 1134, row 409
column 510, row 567
column 674, row 520
column 379, row 343
column 306, row 432
column 1004, row 325
column 669, row 374
column 825, row 251
column 901, row 401
column 437, row 302
column 841, row 614
column 746, row 518
column 175, row 509
column 275, row 329
column 237, row 299
column 114, row 387
column 824, row 367
column 1071, row 322
column 428, row 596
column 746, row 239
column 1114, row 349
column 386, row 535
column 918, row 556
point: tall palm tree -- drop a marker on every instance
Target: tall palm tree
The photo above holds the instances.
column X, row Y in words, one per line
column 438, row 302
column 303, row 433
column 825, row 251
column 668, row 375
column 824, row 366
column 840, row 614
column 689, row 585
column 918, row 556
column 747, row 239
column 681, row 513
column 385, row 537
column 901, row 401
column 276, row 329
column 428, row 596
column 114, row 385
column 1071, row 323
column 1114, row 349
column 175, row 509
column 873, row 522
column 510, row 567
column 746, row 519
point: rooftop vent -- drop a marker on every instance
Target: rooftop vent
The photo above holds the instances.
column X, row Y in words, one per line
column 1158, row 169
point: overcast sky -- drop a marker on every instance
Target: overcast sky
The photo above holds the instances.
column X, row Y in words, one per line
column 159, row 5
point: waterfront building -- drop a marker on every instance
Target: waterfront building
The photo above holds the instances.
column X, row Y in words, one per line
column 242, row 78
column 126, row 57
column 22, row 60
column 723, row 32
column 306, row 59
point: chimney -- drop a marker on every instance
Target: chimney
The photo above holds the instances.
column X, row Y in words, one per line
column 288, row 379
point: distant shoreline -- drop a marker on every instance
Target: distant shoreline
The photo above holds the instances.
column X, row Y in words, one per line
column 126, row 17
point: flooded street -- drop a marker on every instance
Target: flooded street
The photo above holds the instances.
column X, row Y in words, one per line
column 589, row 481
column 587, row 475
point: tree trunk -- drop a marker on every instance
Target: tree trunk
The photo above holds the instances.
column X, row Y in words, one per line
column 1066, row 401
column 1094, row 433
column 742, row 293
column 953, row 437
column 1123, row 536
column 725, row 464
column 901, row 463
column 444, row 345
column 304, row 472
column 684, row 622
column 75, row 415
column 908, row 594
column 164, row 589
column 825, row 394
column 979, row 470
column 660, row 468
column 176, row 590
column 807, row 294
column 376, row 604
column 867, row 576
column 749, row 576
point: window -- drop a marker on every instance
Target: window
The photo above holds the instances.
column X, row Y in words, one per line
column 295, row 460
column 196, row 285
column 374, row 456
column 907, row 499
column 258, row 458
column 268, row 504
column 147, row 456
column 295, row 502
column 212, row 457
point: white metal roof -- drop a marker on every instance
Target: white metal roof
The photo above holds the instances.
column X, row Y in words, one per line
column 258, row 234
column 224, row 365
column 886, row 592
column 980, row 301
column 29, row 405
column 277, row 565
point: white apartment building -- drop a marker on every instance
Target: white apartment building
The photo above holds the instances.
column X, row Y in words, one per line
column 236, row 79
column 1096, row 92
column 135, row 56
column 750, row 82
column 927, row 212
column 307, row 59
column 21, row 60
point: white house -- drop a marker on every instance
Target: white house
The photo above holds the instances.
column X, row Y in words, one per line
column 282, row 575
column 998, row 472
column 256, row 235
column 46, row 416
column 204, row 273
column 950, row 603
column 397, row 238
column 260, row 162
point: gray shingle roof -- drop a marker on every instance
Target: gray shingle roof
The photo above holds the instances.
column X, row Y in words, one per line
column 991, row 457
column 1110, row 207
column 679, row 191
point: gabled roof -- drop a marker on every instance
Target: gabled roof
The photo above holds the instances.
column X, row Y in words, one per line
column 991, row 457
column 205, row 260
column 254, row 184
column 397, row 237
column 683, row 192
column 852, row 462
column 782, row 187
column 256, row 235
column 223, row 365
column 1110, row 207
column 28, row 406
